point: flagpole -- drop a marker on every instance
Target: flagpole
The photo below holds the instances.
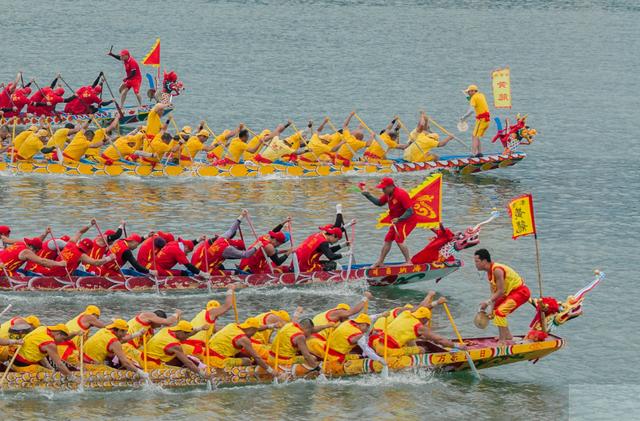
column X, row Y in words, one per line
column 543, row 320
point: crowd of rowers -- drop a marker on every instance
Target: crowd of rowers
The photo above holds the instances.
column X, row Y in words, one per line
column 273, row 340
column 159, row 253
column 153, row 144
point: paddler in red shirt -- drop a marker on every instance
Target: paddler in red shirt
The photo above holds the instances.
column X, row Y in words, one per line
column 133, row 79
column 403, row 219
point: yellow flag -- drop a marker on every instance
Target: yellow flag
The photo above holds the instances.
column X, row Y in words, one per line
column 522, row 217
column 501, row 83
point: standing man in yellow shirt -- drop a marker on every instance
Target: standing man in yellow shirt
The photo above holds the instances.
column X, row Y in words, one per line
column 508, row 292
column 478, row 105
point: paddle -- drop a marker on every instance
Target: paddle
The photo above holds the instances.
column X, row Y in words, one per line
column 235, row 306
column 115, row 101
column 264, row 253
column 144, row 352
column 326, row 355
column 294, row 256
column 472, row 366
column 4, row 376
column 93, row 118
column 13, row 138
column 80, row 357
column 7, row 308
column 207, row 358
column 385, row 369
column 351, row 247
column 275, row 363
column 445, row 131
column 382, row 144
column 60, row 255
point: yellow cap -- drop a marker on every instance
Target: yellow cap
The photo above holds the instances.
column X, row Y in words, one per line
column 343, row 306
column 434, row 136
column 91, row 309
column 33, row 320
column 471, row 88
column 33, row 128
column 42, row 133
column 204, row 133
column 213, row 304
column 60, row 328
column 183, row 326
column 422, row 313
column 363, row 318
column 409, row 306
column 251, row 322
column 119, row 324
column 187, row 129
column 282, row 314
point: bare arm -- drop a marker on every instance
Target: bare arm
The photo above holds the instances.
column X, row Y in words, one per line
column 427, row 334
column 116, row 348
column 445, row 141
column 31, row 256
column 301, row 344
column 246, row 345
column 52, row 352
column 78, row 235
column 347, row 121
column 180, row 355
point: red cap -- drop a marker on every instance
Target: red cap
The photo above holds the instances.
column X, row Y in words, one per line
column 5, row 230
column 35, row 242
column 187, row 243
column 26, row 90
column 59, row 91
column 278, row 236
column 85, row 245
column 239, row 244
column 134, row 237
column 385, row 182
column 65, row 238
column 109, row 232
column 167, row 236
column 125, row 53
column 331, row 230
column 97, row 89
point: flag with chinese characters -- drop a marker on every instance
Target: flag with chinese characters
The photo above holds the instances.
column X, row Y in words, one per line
column 153, row 58
column 427, row 203
column 501, row 83
column 522, row 217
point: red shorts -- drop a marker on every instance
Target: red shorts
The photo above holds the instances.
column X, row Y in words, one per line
column 400, row 231
column 261, row 159
column 133, row 84
column 507, row 304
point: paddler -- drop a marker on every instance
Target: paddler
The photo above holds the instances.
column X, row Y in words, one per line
column 352, row 143
column 349, row 335
column 403, row 218
column 238, row 146
column 13, row 257
column 205, row 322
column 221, row 248
column 422, row 141
column 405, row 330
column 478, row 105
column 33, row 144
column 133, row 78
column 508, row 292
column 194, row 145
column 269, row 320
column 6, row 105
column 174, row 253
column 86, row 100
column 123, row 252
column 165, row 348
column 257, row 263
column 332, row 317
column 232, row 339
column 19, row 100
column 123, row 147
column 150, row 248
column 60, row 137
column 145, row 324
column 39, row 345
column 32, row 320
column 290, row 343
column 103, row 347
column 390, row 315
column 80, row 326
column 390, row 137
column 319, row 147
column 276, row 148
column 12, row 331
column 99, row 247
column 83, row 141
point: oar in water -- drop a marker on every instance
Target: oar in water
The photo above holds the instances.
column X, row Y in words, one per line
column 80, row 357
column 7, row 308
column 207, row 358
column 264, row 253
column 13, row 138
column 294, row 256
column 4, row 376
column 326, row 354
column 472, row 366
column 385, row 354
column 235, row 306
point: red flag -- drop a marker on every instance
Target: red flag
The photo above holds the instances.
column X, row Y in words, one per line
column 427, row 203
column 153, row 58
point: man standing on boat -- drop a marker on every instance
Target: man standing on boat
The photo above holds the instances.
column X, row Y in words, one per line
column 478, row 105
column 133, row 79
column 403, row 217
column 508, row 292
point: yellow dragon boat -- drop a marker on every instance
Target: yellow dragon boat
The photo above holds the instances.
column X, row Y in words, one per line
column 485, row 353
column 456, row 164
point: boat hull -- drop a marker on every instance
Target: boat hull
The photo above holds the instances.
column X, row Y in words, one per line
column 383, row 276
column 485, row 355
column 251, row 170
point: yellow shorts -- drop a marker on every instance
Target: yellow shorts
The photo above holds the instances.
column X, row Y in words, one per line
column 480, row 128
column 378, row 346
column 316, row 346
column 217, row 362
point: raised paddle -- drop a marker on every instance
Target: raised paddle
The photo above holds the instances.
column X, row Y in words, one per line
column 264, row 253
column 294, row 256
column 382, row 144
column 104, row 239
column 115, row 101
column 445, row 131
column 472, row 366
column 4, row 376
column 13, row 138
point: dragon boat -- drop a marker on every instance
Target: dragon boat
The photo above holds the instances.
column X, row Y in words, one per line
column 485, row 353
column 454, row 164
column 381, row 276
column 105, row 115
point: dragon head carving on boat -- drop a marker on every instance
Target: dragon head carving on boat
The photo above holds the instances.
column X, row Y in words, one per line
column 558, row 312
column 446, row 244
column 514, row 135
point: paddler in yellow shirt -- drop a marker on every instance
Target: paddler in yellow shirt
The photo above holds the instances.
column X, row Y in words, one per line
column 160, row 147
column 33, row 144
column 389, row 138
column 253, row 142
column 123, row 147
column 61, row 136
column 23, row 135
column 319, row 148
column 84, row 140
column 238, row 146
column 277, row 148
column 478, row 105
column 197, row 143
column 352, row 142
column 100, row 135
column 421, row 141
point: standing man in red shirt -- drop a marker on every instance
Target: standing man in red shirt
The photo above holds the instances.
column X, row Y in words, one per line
column 403, row 219
column 133, row 79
